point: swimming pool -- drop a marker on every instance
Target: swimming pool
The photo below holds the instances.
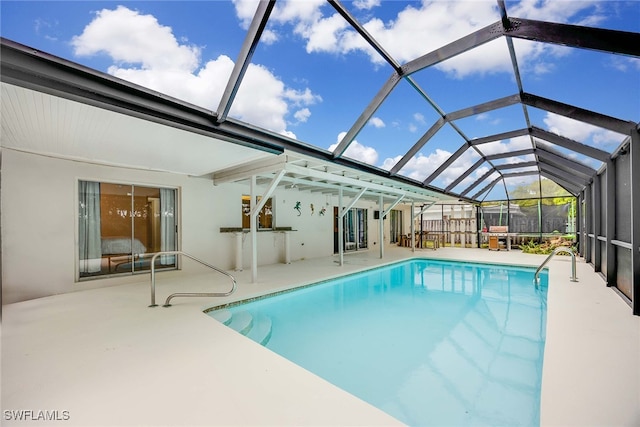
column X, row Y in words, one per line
column 429, row 342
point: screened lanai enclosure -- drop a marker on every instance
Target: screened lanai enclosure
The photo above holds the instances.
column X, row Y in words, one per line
column 526, row 115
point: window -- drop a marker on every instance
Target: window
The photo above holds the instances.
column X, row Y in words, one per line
column 265, row 217
column 121, row 225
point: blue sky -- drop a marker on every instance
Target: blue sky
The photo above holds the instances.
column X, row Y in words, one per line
column 311, row 76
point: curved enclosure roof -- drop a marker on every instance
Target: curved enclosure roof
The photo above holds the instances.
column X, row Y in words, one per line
column 477, row 100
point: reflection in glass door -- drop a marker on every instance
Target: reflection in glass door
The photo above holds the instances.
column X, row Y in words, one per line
column 395, row 226
column 355, row 229
column 121, row 225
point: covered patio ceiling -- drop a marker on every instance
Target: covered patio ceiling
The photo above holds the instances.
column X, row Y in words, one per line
column 304, row 173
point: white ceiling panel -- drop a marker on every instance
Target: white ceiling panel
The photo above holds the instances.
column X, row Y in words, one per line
column 40, row 123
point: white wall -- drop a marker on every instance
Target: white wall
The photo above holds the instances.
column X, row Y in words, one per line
column 39, row 209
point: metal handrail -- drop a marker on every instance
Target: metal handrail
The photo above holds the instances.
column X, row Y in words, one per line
column 559, row 249
column 186, row 294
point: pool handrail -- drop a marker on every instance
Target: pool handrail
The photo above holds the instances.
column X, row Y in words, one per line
column 186, row 294
column 557, row 250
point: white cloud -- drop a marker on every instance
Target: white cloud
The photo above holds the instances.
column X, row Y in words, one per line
column 460, row 166
column 304, row 97
column 419, row 29
column 580, row 131
column 419, row 167
column 357, row 151
column 325, row 35
column 306, row 11
column 366, row 4
column 556, row 11
column 147, row 53
column 131, row 38
column 269, row 37
column 498, row 147
column 390, row 162
column 624, row 64
column 376, row 122
column 418, row 117
column 302, row 115
column 245, row 9
column 473, row 177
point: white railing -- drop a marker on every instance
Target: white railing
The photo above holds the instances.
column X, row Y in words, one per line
column 557, row 250
column 186, row 294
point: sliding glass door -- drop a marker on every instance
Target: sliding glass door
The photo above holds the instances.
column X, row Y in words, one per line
column 355, row 229
column 395, row 226
column 121, row 226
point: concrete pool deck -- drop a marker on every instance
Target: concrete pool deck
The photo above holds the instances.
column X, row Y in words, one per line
column 103, row 358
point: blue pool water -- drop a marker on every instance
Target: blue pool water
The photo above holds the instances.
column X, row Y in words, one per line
column 428, row 342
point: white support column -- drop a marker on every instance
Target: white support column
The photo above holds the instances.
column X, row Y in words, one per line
column 463, row 232
column 340, row 228
column 452, row 226
column 255, row 210
column 287, row 247
column 474, row 234
column 413, row 228
column 239, row 260
column 381, row 226
column 254, row 232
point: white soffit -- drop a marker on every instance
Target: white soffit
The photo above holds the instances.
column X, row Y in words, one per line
column 40, row 123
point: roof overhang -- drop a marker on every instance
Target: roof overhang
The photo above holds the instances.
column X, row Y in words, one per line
column 305, row 173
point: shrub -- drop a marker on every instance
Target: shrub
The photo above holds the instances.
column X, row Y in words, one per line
column 546, row 247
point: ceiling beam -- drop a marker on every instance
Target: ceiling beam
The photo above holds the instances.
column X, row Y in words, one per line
column 519, row 174
column 610, row 41
column 465, row 174
column 455, row 48
column 487, row 188
column 447, row 163
column 515, row 153
column 570, row 144
column 499, row 137
column 565, row 163
column 366, row 115
column 484, row 107
column 418, row 145
column 258, row 167
column 580, row 175
column 265, row 197
column 353, row 202
column 579, row 114
column 365, row 34
column 570, row 187
column 516, row 165
column 568, row 177
column 258, row 24
column 478, row 181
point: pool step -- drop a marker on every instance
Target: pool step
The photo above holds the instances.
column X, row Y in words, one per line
column 223, row 316
column 261, row 330
column 242, row 322
column 258, row 329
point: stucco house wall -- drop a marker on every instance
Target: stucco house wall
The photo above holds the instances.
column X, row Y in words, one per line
column 39, row 222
